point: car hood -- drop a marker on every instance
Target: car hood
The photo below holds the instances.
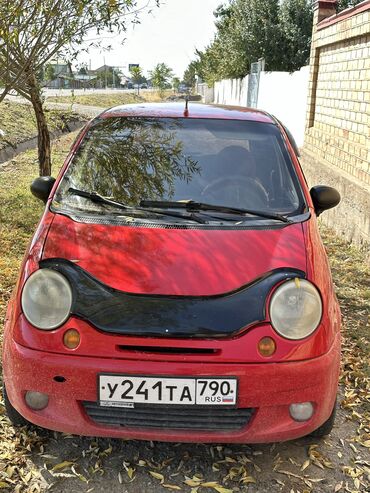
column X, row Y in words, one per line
column 185, row 262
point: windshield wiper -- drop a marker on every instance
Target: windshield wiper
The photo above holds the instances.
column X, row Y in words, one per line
column 191, row 205
column 96, row 197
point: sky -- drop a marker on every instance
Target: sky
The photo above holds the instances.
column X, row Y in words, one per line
column 168, row 34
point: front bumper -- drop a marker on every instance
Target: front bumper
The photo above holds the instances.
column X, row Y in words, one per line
column 268, row 387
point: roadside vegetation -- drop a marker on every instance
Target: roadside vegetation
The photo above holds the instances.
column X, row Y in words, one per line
column 18, row 122
column 32, row 34
column 33, row 460
column 279, row 31
column 111, row 99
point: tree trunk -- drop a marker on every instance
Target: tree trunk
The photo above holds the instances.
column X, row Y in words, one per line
column 43, row 137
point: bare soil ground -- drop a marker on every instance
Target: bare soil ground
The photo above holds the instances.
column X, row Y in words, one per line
column 34, row 460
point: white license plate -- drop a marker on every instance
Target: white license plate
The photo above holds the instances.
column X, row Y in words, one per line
column 126, row 390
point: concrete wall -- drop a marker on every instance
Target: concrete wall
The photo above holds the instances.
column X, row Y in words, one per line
column 284, row 95
column 280, row 93
column 231, row 91
column 206, row 92
column 351, row 219
column 337, row 139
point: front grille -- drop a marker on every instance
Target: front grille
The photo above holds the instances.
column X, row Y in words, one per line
column 168, row 350
column 170, row 417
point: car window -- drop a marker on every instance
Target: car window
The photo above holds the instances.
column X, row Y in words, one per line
column 224, row 162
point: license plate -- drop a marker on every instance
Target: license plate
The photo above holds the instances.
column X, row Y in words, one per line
column 126, row 391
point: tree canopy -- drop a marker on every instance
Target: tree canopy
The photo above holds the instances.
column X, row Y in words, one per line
column 246, row 30
column 344, row 4
column 33, row 32
column 110, row 77
column 161, row 76
column 176, row 83
column 137, row 76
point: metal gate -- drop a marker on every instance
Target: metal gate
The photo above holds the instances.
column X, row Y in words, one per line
column 253, row 82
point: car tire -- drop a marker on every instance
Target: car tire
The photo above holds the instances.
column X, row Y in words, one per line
column 326, row 427
column 15, row 417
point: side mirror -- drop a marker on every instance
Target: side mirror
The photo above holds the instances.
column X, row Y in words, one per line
column 41, row 187
column 324, row 198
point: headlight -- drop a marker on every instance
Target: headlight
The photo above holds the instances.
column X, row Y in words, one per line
column 295, row 309
column 46, row 299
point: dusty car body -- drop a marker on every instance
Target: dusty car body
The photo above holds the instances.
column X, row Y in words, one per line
column 177, row 300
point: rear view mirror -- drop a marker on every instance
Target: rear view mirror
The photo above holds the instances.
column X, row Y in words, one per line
column 324, row 198
column 41, row 187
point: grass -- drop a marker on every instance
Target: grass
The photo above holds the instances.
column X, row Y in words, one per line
column 351, row 275
column 111, row 99
column 20, row 212
column 18, row 122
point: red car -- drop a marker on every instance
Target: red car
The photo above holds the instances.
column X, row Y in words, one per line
column 176, row 287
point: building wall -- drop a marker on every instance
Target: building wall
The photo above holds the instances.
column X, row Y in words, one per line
column 337, row 137
column 338, row 116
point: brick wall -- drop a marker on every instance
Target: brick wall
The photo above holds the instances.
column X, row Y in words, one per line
column 338, row 116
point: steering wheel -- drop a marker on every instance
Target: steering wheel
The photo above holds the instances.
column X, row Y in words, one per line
column 236, row 189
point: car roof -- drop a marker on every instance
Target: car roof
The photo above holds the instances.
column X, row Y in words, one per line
column 195, row 110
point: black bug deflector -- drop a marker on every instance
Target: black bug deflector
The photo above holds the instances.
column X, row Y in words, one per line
column 119, row 312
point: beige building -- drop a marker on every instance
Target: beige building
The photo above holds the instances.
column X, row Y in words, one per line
column 337, row 139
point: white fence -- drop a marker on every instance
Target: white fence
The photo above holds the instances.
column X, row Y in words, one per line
column 282, row 94
column 232, row 91
column 206, row 92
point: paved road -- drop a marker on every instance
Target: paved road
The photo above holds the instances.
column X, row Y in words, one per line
column 78, row 92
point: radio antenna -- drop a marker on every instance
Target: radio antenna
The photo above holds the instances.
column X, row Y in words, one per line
column 186, row 112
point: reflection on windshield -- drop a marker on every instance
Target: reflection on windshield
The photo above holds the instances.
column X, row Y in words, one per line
column 131, row 161
column 224, row 162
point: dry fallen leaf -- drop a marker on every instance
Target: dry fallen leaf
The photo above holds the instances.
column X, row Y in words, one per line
column 248, row 479
column 318, row 459
column 62, row 465
column 193, row 482
column 157, row 475
column 221, row 489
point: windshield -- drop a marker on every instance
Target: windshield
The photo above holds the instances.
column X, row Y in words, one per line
column 231, row 163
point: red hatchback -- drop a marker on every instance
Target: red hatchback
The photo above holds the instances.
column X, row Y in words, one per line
column 176, row 287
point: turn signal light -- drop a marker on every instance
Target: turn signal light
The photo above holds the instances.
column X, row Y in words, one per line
column 267, row 346
column 71, row 338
